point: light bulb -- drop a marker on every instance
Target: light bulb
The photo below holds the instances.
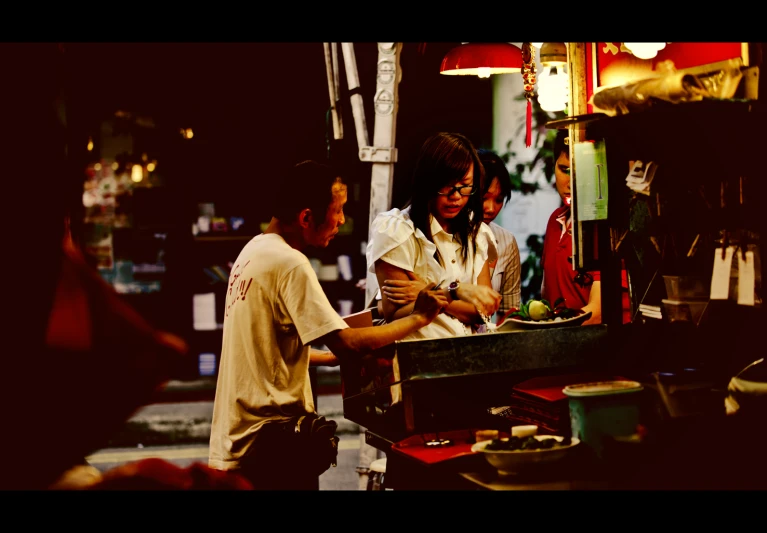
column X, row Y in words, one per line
column 137, row 173
column 553, row 89
column 483, row 72
column 645, row 50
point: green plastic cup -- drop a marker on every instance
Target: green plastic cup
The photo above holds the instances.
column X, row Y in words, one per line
column 604, row 408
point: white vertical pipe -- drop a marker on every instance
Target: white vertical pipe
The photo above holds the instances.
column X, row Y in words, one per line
column 352, row 80
column 337, row 133
column 337, row 91
column 386, row 105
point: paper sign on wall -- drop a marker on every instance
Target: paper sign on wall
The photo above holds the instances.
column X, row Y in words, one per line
column 591, row 180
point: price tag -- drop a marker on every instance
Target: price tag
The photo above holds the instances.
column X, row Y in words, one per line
column 720, row 278
column 746, row 279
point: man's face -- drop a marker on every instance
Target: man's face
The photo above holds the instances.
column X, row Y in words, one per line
column 562, row 174
column 492, row 202
column 319, row 235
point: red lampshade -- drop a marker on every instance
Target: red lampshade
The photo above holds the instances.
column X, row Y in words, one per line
column 482, row 59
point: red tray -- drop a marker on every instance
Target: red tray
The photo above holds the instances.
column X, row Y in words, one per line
column 415, row 446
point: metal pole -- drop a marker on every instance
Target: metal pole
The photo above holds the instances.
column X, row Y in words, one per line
column 576, row 59
column 383, row 153
column 337, row 87
column 332, row 91
column 353, row 82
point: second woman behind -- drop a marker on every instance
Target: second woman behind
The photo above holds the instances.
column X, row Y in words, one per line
column 438, row 237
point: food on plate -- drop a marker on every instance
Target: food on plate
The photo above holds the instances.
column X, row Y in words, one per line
column 537, row 310
column 486, row 434
column 541, row 311
column 526, row 443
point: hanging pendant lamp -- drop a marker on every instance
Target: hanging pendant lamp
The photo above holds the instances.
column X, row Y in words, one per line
column 482, row 59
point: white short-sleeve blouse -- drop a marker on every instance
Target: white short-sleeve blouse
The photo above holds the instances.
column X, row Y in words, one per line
column 395, row 240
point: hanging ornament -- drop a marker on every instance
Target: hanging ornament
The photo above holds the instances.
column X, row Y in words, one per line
column 528, row 78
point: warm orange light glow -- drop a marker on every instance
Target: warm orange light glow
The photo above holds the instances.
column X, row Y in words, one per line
column 90, row 144
column 115, row 165
column 137, row 173
column 150, row 167
column 97, row 167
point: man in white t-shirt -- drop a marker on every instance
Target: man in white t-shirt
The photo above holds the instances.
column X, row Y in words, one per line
column 275, row 307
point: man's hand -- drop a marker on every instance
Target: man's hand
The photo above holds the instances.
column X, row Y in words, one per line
column 430, row 303
column 402, row 292
column 485, row 299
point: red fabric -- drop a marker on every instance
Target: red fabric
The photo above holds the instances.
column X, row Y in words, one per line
column 158, row 474
column 102, row 362
column 625, row 300
column 558, row 273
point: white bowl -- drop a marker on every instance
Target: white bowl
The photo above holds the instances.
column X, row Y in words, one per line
column 510, row 462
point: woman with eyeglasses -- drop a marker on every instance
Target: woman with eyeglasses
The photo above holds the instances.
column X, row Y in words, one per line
column 580, row 290
column 438, row 237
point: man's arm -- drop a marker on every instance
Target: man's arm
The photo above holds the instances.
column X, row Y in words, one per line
column 360, row 341
column 465, row 311
column 322, row 358
column 595, row 304
column 511, row 290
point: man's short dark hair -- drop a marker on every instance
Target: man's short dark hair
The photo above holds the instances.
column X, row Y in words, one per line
column 561, row 143
column 495, row 168
column 309, row 184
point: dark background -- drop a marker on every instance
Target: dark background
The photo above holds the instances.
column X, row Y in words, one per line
column 255, row 109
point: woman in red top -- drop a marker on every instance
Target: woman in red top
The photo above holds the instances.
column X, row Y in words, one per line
column 560, row 279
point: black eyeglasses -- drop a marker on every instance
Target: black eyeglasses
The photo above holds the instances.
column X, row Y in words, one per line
column 463, row 190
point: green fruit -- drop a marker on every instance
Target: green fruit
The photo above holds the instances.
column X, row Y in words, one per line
column 537, row 310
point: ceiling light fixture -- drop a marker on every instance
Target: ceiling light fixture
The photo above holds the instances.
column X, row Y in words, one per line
column 482, row 59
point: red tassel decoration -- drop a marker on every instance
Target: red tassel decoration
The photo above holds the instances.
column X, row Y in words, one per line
column 528, row 78
column 529, row 132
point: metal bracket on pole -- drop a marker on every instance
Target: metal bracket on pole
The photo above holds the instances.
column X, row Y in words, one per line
column 375, row 154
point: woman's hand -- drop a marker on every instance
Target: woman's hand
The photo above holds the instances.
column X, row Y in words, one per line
column 485, row 299
column 402, row 292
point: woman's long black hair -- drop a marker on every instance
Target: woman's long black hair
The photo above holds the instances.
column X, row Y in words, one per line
column 445, row 158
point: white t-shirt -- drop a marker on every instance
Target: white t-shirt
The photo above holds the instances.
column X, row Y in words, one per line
column 275, row 307
column 395, row 239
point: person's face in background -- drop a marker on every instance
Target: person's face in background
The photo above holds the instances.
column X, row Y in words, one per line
column 492, row 202
column 320, row 235
column 449, row 201
column 562, row 175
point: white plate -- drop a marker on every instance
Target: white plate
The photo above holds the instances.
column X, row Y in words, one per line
column 509, row 462
column 511, row 323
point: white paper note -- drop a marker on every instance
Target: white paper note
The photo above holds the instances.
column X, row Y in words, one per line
column 720, row 278
column 204, row 311
column 746, row 279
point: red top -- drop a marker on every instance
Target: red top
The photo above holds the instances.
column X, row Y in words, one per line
column 558, row 273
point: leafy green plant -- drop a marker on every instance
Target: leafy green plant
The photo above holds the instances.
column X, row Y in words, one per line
column 543, row 140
